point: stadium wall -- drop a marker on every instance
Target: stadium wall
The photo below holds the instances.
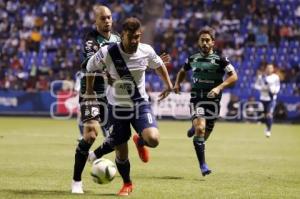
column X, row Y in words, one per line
column 64, row 104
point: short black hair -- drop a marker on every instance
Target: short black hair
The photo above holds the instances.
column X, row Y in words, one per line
column 131, row 24
column 207, row 30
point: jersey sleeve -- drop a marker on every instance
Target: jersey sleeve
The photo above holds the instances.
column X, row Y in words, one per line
column 226, row 65
column 187, row 65
column 275, row 87
column 98, row 60
column 154, row 60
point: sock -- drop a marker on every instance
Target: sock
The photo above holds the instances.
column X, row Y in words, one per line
column 141, row 141
column 124, row 169
column 81, row 155
column 269, row 123
column 199, row 145
column 103, row 149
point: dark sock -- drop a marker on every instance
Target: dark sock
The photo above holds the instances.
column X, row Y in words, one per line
column 141, row 141
column 269, row 123
column 124, row 169
column 199, row 145
column 81, row 155
column 103, row 149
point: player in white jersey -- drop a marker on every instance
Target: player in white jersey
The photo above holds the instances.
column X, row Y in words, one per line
column 268, row 84
column 128, row 102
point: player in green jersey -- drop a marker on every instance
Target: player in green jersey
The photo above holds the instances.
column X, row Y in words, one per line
column 208, row 69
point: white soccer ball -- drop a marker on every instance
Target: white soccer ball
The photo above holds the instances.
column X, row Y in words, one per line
column 103, row 171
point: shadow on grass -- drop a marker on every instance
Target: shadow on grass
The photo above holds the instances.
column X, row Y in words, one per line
column 51, row 192
column 171, row 178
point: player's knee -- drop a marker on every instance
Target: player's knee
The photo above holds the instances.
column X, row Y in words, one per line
column 153, row 142
column 269, row 116
column 151, row 137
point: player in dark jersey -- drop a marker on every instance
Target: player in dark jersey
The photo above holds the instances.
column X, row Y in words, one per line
column 208, row 70
column 90, row 115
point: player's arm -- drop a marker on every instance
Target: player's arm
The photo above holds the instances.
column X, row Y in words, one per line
column 164, row 75
column 181, row 76
column 95, row 63
column 231, row 78
column 156, row 63
column 179, row 79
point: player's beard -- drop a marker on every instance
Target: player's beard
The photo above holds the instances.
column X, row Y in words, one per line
column 133, row 48
column 106, row 28
column 205, row 50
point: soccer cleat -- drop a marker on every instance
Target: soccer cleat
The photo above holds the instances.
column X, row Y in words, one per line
column 77, row 187
column 92, row 157
column 126, row 189
column 267, row 133
column 191, row 132
column 143, row 151
column 205, row 170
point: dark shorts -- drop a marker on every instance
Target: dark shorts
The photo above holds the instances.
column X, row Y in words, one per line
column 269, row 106
column 207, row 109
column 96, row 111
column 120, row 118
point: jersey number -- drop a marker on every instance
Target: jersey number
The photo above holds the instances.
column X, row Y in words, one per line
column 150, row 120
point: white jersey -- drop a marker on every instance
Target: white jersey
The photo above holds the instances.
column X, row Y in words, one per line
column 137, row 63
column 268, row 86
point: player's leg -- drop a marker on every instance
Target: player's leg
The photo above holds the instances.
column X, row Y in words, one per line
column 209, row 127
column 199, row 124
column 269, row 117
column 90, row 131
column 146, row 126
column 123, row 165
column 119, row 136
column 107, row 146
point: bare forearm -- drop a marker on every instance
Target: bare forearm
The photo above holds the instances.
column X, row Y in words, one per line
column 180, row 77
column 230, row 80
column 164, row 75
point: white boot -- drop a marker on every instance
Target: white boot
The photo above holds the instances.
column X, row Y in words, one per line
column 267, row 133
column 77, row 187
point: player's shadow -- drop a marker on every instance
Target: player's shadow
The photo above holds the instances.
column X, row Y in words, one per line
column 167, row 177
column 172, row 178
column 41, row 193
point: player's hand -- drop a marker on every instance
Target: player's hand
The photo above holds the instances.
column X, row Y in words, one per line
column 214, row 92
column 110, row 80
column 166, row 58
column 177, row 89
column 164, row 94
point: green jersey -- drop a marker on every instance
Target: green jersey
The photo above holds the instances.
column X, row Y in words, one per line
column 92, row 42
column 208, row 71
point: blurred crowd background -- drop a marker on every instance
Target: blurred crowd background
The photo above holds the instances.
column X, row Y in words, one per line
column 41, row 40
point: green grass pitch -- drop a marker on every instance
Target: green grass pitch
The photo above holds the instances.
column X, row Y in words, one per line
column 36, row 161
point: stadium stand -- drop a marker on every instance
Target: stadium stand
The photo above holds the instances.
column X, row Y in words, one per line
column 43, row 38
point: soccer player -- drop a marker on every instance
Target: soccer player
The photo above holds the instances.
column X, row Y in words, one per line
column 268, row 84
column 128, row 102
column 101, row 36
column 94, row 39
column 208, row 70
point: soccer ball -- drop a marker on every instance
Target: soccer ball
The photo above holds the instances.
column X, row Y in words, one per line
column 103, row 171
